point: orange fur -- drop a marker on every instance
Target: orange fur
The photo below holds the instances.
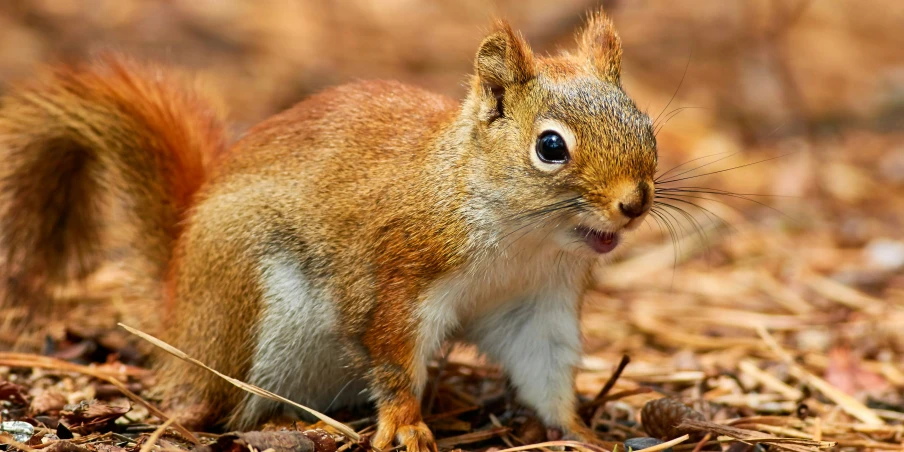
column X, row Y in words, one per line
column 83, row 147
column 364, row 205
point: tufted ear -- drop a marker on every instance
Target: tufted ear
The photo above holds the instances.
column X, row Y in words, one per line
column 503, row 60
column 600, row 43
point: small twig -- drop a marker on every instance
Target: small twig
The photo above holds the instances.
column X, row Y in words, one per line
column 702, row 443
column 471, row 437
column 434, row 389
column 573, row 444
column 152, row 440
column 342, row 428
column 610, row 383
column 753, row 436
column 668, row 444
column 21, row 446
column 505, row 436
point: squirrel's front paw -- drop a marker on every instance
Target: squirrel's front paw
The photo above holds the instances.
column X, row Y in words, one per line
column 415, row 437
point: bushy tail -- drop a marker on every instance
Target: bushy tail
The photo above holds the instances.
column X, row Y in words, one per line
column 97, row 164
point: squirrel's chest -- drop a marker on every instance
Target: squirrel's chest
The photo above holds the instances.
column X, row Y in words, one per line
column 495, row 282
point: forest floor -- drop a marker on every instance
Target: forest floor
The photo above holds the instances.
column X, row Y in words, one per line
column 771, row 314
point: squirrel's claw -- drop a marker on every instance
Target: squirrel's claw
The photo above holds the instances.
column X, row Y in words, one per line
column 415, row 437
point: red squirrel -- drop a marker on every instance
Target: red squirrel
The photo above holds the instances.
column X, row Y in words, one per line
column 330, row 252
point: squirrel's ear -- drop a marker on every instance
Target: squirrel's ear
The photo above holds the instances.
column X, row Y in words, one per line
column 600, row 43
column 504, row 59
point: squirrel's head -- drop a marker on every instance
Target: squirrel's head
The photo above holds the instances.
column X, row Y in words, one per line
column 559, row 141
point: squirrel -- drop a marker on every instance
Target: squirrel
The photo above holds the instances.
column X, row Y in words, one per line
column 330, row 252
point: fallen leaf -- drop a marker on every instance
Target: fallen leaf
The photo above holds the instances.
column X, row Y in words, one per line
column 846, row 373
column 48, row 401
column 285, row 441
column 12, row 392
column 86, row 417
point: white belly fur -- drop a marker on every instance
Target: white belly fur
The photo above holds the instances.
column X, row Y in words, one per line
column 475, row 304
column 298, row 354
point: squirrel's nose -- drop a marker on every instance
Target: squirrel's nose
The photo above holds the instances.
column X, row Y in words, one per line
column 637, row 202
column 632, row 209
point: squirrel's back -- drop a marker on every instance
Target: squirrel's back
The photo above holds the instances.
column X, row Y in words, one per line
column 329, row 159
column 358, row 124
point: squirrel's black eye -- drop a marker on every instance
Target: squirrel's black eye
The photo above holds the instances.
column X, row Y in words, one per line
column 551, row 148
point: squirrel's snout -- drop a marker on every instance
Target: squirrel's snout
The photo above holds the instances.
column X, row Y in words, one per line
column 635, row 201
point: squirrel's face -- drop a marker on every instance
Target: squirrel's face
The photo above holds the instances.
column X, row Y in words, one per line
column 578, row 157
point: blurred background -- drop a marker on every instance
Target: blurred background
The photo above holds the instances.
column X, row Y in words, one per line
column 804, row 100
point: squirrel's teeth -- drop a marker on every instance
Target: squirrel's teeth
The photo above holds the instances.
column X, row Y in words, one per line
column 601, row 242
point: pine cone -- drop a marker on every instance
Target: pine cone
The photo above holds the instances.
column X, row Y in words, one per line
column 661, row 416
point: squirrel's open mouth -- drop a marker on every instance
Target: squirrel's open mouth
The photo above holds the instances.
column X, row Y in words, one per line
column 601, row 242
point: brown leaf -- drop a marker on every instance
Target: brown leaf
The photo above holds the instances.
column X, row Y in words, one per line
column 48, row 401
column 91, row 416
column 285, row 441
column 104, row 447
column 65, row 446
column 846, row 373
column 12, row 392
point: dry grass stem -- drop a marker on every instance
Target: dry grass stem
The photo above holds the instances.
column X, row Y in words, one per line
column 148, row 446
column 347, row 431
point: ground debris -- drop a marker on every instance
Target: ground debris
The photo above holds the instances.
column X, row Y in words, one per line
column 282, row 441
column 762, row 307
column 91, row 416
